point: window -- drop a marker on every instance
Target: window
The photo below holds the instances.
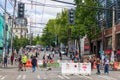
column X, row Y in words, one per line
column 109, row 43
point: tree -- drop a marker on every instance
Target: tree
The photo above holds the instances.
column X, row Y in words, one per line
column 56, row 29
column 86, row 19
column 19, row 42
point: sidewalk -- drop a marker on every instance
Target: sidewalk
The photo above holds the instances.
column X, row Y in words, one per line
column 9, row 66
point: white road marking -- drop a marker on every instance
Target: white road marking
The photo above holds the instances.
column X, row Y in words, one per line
column 0, row 75
column 79, row 76
column 44, row 78
column 19, row 77
column 61, row 77
column 107, row 77
column 88, row 77
column 3, row 77
column 38, row 76
column 24, row 76
column 66, row 77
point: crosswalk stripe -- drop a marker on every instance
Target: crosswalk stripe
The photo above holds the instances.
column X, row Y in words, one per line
column 44, row 78
column 19, row 77
column 88, row 77
column 66, row 77
column 38, row 76
column 107, row 77
column 3, row 77
column 24, row 76
column 61, row 77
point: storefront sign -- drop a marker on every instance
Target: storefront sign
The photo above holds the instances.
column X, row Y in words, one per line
column 108, row 51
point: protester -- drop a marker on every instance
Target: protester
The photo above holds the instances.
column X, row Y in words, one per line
column 76, row 58
column 20, row 65
column 98, row 65
column 24, row 61
column 12, row 59
column 106, row 66
column 5, row 61
column 60, row 54
column 44, row 61
column 34, row 63
column 92, row 60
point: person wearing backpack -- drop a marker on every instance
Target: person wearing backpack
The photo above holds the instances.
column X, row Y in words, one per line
column 34, row 64
column 106, row 66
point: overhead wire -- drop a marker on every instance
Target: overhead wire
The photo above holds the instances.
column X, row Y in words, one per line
column 1, row 10
column 35, row 16
column 48, row 5
column 11, row 3
column 43, row 10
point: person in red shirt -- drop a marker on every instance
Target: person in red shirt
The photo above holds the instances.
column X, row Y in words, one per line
column 12, row 59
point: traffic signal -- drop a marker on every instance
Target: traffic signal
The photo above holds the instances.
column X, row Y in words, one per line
column 71, row 16
column 21, row 7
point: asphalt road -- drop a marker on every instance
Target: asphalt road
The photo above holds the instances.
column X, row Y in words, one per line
column 54, row 74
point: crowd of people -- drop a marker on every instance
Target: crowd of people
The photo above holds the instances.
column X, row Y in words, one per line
column 74, row 56
column 20, row 59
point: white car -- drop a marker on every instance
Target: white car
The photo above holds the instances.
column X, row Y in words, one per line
column 63, row 52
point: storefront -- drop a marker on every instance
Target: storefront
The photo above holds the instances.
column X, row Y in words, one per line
column 1, row 36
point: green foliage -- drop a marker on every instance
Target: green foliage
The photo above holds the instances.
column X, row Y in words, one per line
column 56, row 30
column 86, row 18
column 19, row 42
column 85, row 24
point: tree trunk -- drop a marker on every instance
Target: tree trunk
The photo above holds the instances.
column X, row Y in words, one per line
column 79, row 47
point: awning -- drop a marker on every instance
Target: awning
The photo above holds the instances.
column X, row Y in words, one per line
column 108, row 51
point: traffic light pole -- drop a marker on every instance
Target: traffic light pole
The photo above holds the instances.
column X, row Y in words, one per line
column 4, row 49
column 113, row 31
column 12, row 26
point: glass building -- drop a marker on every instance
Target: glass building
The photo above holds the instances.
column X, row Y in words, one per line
column 105, row 16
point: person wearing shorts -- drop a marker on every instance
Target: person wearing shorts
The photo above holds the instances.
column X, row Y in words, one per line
column 24, row 61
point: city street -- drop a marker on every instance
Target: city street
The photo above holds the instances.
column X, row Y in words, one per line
column 54, row 74
column 64, row 39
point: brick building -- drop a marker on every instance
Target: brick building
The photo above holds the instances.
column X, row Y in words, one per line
column 107, row 21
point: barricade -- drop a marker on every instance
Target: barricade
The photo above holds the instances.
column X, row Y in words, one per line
column 116, row 65
column 51, row 61
column 28, row 64
column 94, row 65
column 76, row 68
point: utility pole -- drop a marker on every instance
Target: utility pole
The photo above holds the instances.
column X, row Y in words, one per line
column 5, row 29
column 21, row 29
column 12, row 25
column 103, row 36
column 113, row 30
column 30, row 35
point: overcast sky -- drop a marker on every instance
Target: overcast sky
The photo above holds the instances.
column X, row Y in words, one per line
column 41, row 13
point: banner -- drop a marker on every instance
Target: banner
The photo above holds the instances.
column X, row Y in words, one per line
column 70, row 68
column 40, row 62
column 76, row 68
column 85, row 68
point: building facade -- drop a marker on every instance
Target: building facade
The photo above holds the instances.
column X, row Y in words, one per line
column 109, row 22
column 20, row 28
